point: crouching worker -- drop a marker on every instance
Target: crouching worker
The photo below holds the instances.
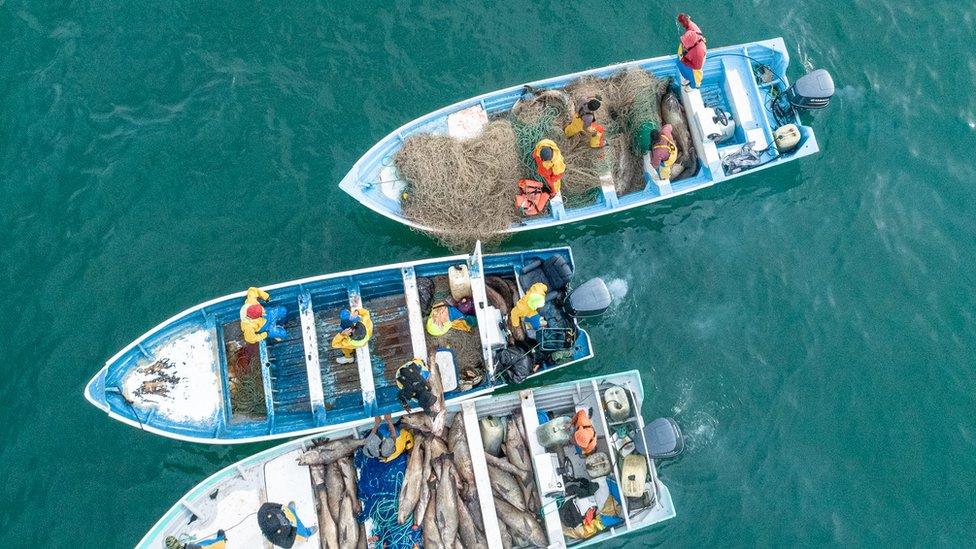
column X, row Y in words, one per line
column 549, row 163
column 412, row 380
column 355, row 329
column 219, row 541
column 527, row 308
column 281, row 526
column 664, row 152
column 585, row 120
column 384, row 443
column 444, row 316
column 259, row 322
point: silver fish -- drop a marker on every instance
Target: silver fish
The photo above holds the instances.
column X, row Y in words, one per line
column 331, row 451
column 507, row 466
column 505, row 535
column 417, row 421
column 457, row 442
column 334, row 488
column 410, row 489
column 446, row 505
column 673, row 113
column 328, row 532
column 436, row 446
column 492, row 434
column 432, row 536
column 348, row 527
column 471, row 537
column 521, row 522
column 424, row 499
column 349, row 481
column 505, row 486
column 515, row 447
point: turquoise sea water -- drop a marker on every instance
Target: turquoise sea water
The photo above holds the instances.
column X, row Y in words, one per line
column 810, row 327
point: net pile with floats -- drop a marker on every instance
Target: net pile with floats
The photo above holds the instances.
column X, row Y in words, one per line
column 464, row 189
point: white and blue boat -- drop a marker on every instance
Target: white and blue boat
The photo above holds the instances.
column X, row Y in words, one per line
column 743, row 82
column 183, row 378
column 227, row 501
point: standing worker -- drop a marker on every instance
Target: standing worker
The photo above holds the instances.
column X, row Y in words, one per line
column 356, row 327
column 259, row 322
column 549, row 163
column 411, row 379
column 691, row 51
column 664, row 152
column 585, row 120
column 527, row 308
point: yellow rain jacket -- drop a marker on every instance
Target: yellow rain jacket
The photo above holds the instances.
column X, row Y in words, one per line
column 440, row 322
column 550, row 170
column 251, row 326
column 403, row 442
column 525, row 308
column 342, row 341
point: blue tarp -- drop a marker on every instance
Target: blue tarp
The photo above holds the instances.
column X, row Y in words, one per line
column 379, row 491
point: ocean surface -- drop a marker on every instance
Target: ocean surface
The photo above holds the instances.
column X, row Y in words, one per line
column 812, row 327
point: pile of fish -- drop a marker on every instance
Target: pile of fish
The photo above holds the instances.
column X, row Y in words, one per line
column 438, row 492
column 517, row 501
column 334, row 478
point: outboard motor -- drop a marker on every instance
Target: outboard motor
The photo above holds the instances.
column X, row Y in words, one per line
column 811, row 91
column 664, row 440
column 592, row 298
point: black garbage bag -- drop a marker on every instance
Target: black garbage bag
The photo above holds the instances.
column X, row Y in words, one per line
column 514, row 364
column 425, row 289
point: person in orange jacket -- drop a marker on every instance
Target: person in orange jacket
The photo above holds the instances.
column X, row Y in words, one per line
column 549, row 163
column 691, row 51
column 257, row 321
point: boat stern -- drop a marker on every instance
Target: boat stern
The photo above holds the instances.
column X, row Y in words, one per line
column 95, row 390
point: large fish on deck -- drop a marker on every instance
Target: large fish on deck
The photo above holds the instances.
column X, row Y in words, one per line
column 331, row 451
column 673, row 113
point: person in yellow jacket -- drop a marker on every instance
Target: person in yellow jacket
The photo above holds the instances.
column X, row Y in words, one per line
column 527, row 308
column 257, row 321
column 549, row 163
column 356, row 327
column 384, row 442
column 444, row 316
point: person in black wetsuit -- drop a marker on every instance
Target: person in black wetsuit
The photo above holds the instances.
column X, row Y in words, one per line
column 411, row 379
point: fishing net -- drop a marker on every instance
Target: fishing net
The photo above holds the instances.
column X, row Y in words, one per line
column 464, row 189
column 466, row 346
column 379, row 490
column 245, row 380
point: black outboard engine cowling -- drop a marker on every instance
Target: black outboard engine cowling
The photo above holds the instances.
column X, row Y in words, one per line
column 811, row 91
column 592, row 298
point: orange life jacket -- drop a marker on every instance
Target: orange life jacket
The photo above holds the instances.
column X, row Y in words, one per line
column 532, row 197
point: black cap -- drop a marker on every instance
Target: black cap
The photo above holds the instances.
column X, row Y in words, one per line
column 545, row 153
column 593, row 104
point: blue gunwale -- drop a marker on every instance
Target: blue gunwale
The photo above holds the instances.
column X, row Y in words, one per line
column 289, row 411
column 361, row 182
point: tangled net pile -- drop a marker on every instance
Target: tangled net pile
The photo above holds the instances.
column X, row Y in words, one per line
column 464, row 189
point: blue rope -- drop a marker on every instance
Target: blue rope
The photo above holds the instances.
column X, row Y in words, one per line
column 379, row 491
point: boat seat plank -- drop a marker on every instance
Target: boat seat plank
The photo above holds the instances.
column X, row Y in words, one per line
column 363, row 361
column 604, row 431
column 530, row 418
column 313, row 368
column 418, row 340
column 266, row 379
column 285, row 481
column 480, row 466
